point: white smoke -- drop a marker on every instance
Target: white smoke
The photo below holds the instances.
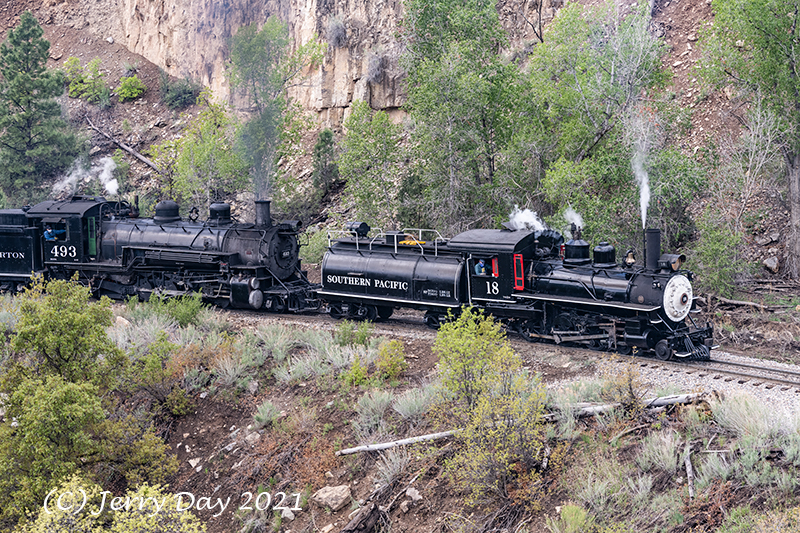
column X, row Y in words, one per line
column 525, row 219
column 573, row 217
column 642, row 178
column 643, row 132
column 102, row 171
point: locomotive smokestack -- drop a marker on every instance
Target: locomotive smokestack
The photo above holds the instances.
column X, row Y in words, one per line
column 652, row 248
column 263, row 215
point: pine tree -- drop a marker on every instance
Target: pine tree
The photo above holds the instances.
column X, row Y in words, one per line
column 35, row 142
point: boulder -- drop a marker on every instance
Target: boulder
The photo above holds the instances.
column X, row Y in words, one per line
column 771, row 263
column 333, row 497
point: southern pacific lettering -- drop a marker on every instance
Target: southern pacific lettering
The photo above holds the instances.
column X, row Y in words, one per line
column 366, row 282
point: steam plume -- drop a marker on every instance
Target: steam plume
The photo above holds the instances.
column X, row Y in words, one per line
column 525, row 219
column 642, row 178
column 79, row 176
column 573, row 217
column 643, row 131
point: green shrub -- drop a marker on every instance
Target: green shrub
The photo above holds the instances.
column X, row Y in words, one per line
column 370, row 409
column 150, row 372
column 316, row 247
column 473, row 351
column 573, row 519
column 130, row 88
column 60, row 331
column 715, row 257
column 500, row 460
column 178, row 94
column 87, row 83
column 151, row 508
column 184, row 310
column 357, row 374
column 391, row 360
column 265, row 415
column 413, row 404
column 350, row 333
column 658, row 452
column 178, row 403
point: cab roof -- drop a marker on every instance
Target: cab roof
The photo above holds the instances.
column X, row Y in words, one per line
column 76, row 205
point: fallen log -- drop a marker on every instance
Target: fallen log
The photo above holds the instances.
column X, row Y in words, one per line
column 365, row 521
column 124, row 146
column 401, row 442
column 581, row 413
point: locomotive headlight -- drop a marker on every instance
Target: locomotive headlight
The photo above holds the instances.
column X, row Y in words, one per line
column 678, row 298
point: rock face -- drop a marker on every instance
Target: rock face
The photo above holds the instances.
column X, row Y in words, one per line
column 189, row 38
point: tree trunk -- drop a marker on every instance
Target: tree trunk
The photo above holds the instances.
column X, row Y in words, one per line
column 793, row 233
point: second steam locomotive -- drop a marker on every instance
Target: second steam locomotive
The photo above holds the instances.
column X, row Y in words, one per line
column 539, row 285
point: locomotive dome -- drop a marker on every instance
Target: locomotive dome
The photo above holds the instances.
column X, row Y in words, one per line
column 167, row 211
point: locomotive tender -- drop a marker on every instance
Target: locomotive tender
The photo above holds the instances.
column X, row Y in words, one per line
column 120, row 255
column 540, row 286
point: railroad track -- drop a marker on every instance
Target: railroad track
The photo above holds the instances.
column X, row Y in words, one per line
column 410, row 325
column 744, row 373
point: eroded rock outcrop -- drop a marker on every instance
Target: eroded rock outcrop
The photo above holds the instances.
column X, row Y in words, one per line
column 189, row 38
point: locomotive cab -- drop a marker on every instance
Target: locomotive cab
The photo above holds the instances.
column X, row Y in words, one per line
column 505, row 254
column 75, row 224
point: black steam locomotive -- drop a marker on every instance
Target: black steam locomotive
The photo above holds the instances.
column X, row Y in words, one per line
column 118, row 254
column 540, row 286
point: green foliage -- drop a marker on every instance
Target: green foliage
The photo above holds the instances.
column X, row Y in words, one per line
column 603, row 186
column 86, row 82
column 573, row 519
column 316, row 247
column 50, row 439
column 35, row 141
column 178, row 94
column 121, row 169
column 349, row 333
column 715, row 254
column 202, row 165
column 473, row 351
column 462, row 96
column 184, row 310
column 591, row 69
column 151, row 373
column 130, row 449
column 357, row 374
column 371, row 408
column 130, row 88
column 752, row 46
column 178, row 403
column 370, row 163
column 326, row 172
column 501, row 459
column 61, row 332
column 391, row 361
column 62, row 519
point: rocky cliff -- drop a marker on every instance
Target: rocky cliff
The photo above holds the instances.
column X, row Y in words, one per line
column 189, row 38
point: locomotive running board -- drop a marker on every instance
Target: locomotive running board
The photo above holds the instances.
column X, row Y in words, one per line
column 558, row 339
column 579, row 301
